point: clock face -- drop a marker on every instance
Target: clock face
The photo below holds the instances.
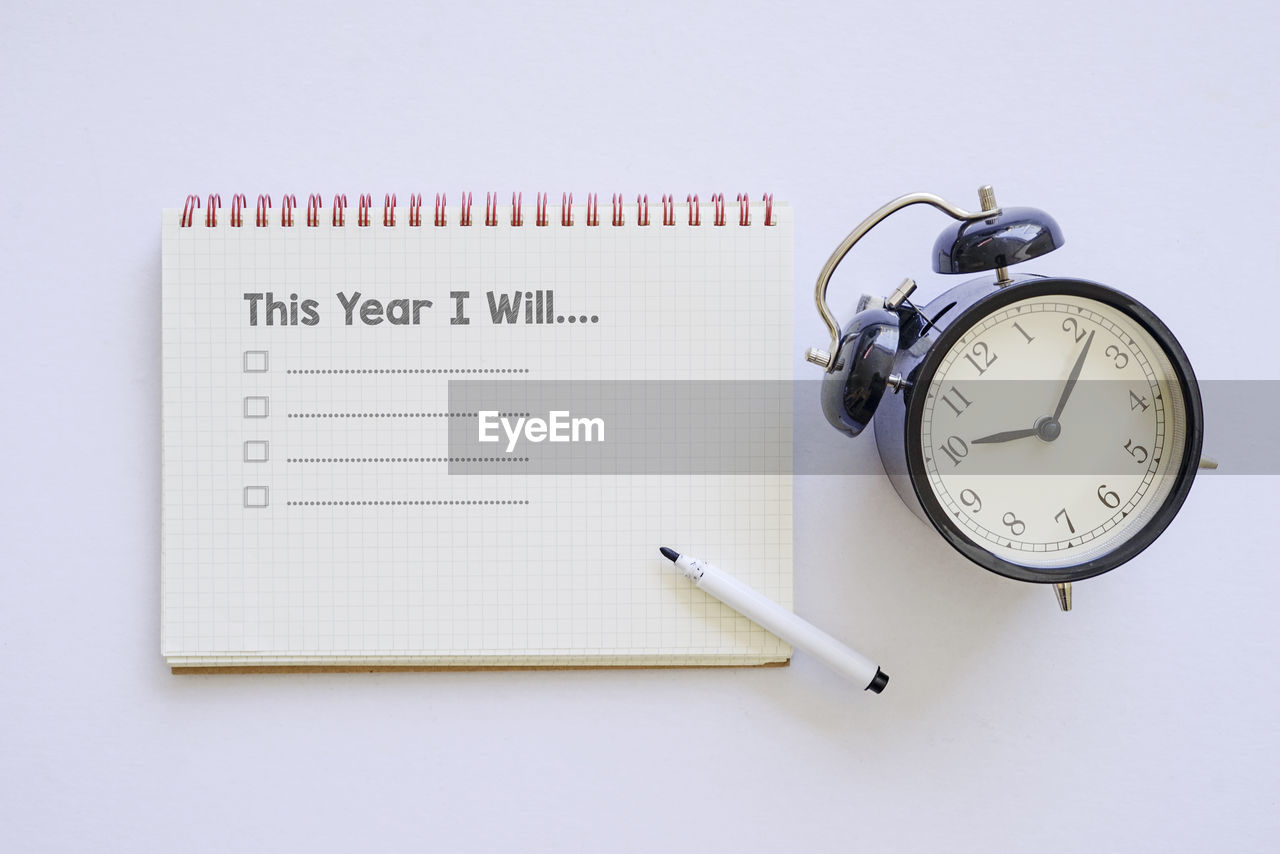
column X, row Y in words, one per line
column 1053, row 432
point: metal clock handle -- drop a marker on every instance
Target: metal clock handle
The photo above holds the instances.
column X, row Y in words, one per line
column 825, row 358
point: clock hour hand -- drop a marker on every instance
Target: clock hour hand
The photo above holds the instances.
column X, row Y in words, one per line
column 1071, row 380
column 1006, row 436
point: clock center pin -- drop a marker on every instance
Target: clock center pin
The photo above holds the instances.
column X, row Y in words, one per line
column 1048, row 428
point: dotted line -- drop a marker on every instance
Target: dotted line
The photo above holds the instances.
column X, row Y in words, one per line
column 407, row 460
column 411, row 503
column 402, row 414
column 407, row 371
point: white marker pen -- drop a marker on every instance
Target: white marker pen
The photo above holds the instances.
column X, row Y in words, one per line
column 770, row 615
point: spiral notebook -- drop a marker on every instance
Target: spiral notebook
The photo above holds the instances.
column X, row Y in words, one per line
column 398, row 436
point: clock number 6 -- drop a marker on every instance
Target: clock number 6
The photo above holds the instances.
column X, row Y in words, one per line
column 1109, row 497
column 1015, row 525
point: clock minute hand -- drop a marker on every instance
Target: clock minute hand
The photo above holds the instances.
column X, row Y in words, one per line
column 1071, row 380
column 1006, row 436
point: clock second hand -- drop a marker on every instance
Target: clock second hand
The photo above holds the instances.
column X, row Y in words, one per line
column 1046, row 428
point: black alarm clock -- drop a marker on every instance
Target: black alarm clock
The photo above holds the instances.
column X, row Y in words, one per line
column 1048, row 428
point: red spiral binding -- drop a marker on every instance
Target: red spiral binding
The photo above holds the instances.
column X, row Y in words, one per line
column 315, row 203
column 189, row 211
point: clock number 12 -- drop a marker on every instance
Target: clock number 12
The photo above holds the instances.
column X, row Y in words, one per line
column 981, row 357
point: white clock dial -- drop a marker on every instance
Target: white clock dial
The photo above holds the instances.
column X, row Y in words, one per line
column 1037, row 469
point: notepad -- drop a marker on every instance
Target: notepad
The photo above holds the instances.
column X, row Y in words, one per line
column 456, row 437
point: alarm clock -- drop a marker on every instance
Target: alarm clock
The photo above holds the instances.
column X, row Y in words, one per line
column 1049, row 428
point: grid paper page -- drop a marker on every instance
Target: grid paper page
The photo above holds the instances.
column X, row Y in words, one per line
column 313, row 510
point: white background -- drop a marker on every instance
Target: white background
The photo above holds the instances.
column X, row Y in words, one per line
column 1144, row 720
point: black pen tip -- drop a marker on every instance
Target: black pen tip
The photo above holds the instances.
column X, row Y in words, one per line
column 670, row 554
column 877, row 684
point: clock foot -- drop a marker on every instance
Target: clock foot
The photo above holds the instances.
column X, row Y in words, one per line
column 1208, row 463
column 1063, row 592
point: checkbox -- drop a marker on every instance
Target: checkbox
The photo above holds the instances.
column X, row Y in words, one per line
column 256, row 451
column 255, row 361
column 255, row 497
column 256, row 407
